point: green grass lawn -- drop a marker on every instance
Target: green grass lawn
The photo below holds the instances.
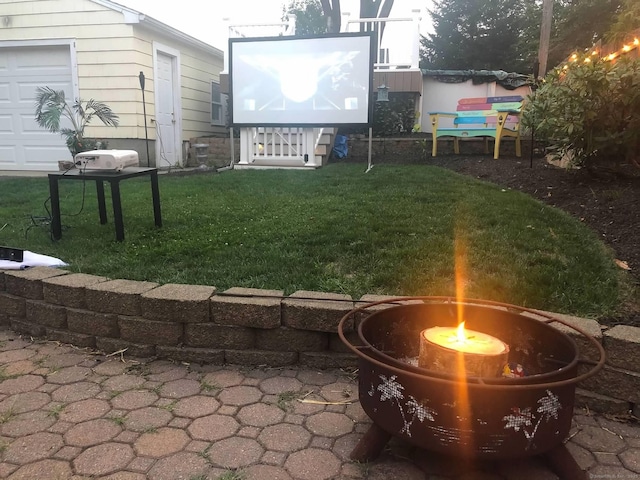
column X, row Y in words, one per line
column 393, row 230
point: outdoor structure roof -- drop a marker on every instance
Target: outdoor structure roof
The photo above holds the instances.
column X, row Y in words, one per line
column 507, row 80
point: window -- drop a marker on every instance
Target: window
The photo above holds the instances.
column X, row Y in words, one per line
column 218, row 105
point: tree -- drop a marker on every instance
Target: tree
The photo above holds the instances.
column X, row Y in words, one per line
column 579, row 24
column 505, row 34
column 332, row 14
column 52, row 107
column 625, row 22
column 477, row 34
column 309, row 17
column 368, row 9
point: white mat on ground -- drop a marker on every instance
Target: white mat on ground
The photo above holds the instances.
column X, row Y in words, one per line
column 31, row 259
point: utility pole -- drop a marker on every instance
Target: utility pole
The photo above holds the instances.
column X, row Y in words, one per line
column 545, row 35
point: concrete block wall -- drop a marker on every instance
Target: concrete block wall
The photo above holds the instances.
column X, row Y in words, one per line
column 196, row 323
column 218, row 151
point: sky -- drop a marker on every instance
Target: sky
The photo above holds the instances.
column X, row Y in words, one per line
column 204, row 20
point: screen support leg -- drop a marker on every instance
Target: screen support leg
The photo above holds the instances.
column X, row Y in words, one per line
column 369, row 165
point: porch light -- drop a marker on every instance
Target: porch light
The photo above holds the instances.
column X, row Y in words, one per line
column 383, row 93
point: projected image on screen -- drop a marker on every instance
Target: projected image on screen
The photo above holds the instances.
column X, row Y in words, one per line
column 301, row 81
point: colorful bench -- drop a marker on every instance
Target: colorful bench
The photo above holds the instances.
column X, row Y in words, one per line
column 488, row 117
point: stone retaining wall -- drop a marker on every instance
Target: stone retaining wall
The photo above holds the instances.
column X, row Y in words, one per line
column 195, row 323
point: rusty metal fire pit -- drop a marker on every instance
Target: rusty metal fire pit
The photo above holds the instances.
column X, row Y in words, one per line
column 485, row 418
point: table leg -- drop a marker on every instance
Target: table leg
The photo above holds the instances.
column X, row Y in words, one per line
column 155, row 194
column 102, row 209
column 56, row 225
column 117, row 209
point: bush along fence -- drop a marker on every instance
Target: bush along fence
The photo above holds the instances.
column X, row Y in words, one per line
column 197, row 324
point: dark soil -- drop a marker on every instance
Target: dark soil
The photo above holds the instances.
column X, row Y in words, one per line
column 608, row 204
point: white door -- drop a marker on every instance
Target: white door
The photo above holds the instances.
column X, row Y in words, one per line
column 167, row 112
column 23, row 144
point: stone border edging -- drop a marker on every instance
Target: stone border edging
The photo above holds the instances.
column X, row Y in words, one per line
column 195, row 323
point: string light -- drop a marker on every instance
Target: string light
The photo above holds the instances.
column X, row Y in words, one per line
column 609, row 57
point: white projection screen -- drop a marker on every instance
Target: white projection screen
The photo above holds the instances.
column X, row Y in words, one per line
column 301, row 81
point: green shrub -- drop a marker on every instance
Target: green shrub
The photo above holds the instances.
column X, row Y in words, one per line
column 589, row 112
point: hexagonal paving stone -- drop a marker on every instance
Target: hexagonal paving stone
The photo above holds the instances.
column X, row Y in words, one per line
column 75, row 392
column 27, row 423
column 260, row 415
column 23, row 367
column 184, row 465
column 213, row 427
column 262, row 472
column 84, row 410
column 61, row 358
column 15, row 355
column 22, row 384
column 124, row 476
column 597, row 439
column 165, row 441
column 111, row 368
column 355, row 412
column 313, row 464
column 345, row 445
column 631, row 459
column 146, row 418
column 134, row 399
column 122, row 383
column 313, row 377
column 103, row 459
column 196, row 406
column 223, row 378
column 33, row 447
column 91, row 433
column 172, row 373
column 284, row 437
column 43, row 470
column 235, row 452
column 24, row 402
column 329, row 424
column 241, row 395
column 277, row 385
column 339, row 391
column 180, row 388
column 68, row 375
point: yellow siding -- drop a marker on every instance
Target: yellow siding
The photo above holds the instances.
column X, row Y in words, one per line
column 110, row 55
column 197, row 70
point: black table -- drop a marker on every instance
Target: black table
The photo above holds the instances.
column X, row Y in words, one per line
column 100, row 176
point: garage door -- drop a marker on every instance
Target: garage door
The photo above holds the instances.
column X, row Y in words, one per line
column 23, row 144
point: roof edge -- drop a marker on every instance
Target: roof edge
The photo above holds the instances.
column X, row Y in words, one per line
column 133, row 17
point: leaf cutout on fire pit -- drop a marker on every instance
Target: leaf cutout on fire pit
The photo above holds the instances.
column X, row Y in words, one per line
column 391, row 390
column 520, row 418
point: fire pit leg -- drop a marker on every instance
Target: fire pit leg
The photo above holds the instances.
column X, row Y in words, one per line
column 563, row 464
column 370, row 446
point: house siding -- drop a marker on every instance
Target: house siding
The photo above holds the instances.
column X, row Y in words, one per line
column 110, row 55
column 197, row 70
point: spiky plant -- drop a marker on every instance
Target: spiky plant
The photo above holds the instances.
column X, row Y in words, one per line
column 52, row 107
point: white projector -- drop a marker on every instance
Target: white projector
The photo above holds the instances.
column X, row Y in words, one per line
column 106, row 160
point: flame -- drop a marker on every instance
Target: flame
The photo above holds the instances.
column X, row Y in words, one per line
column 462, row 392
column 460, row 333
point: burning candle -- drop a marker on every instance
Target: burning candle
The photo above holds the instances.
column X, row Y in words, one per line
column 465, row 341
column 451, row 349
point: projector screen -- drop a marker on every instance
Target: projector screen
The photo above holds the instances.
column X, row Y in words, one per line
column 307, row 81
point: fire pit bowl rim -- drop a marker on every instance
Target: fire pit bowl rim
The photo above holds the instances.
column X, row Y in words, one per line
column 499, row 384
